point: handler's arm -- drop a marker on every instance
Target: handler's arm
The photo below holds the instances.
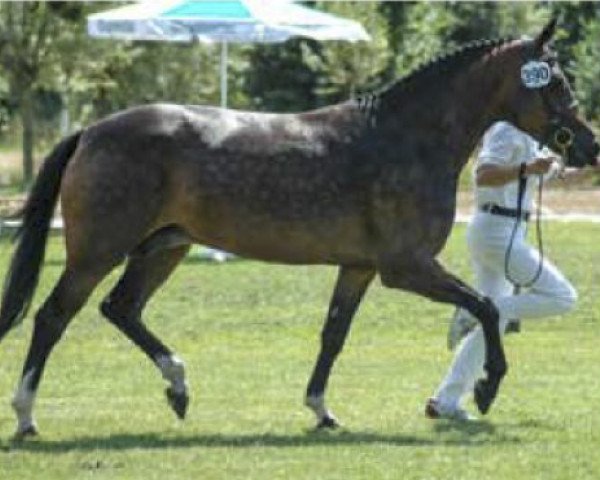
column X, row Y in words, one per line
column 492, row 175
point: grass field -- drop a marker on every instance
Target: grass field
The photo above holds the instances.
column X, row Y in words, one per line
column 249, row 334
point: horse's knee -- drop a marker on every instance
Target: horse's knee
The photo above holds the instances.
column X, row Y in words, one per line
column 48, row 327
column 118, row 312
column 333, row 335
column 484, row 309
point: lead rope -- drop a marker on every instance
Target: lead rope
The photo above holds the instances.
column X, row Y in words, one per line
column 521, row 194
column 563, row 138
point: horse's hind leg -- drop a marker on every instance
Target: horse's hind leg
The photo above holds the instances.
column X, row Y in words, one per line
column 349, row 290
column 123, row 308
column 68, row 296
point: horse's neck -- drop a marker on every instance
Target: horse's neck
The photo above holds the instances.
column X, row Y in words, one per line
column 479, row 105
column 463, row 110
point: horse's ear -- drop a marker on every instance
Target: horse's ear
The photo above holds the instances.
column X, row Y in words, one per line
column 545, row 36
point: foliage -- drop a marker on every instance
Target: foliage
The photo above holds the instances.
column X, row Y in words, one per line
column 424, row 35
column 278, row 78
column 586, row 69
column 116, row 82
column 343, row 68
column 46, row 54
column 26, row 32
column 6, row 109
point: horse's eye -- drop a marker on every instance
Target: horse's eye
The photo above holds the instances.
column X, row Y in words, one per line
column 554, row 84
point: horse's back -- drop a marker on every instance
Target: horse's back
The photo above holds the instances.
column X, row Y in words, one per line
column 220, row 131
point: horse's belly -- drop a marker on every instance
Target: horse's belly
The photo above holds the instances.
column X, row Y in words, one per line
column 290, row 242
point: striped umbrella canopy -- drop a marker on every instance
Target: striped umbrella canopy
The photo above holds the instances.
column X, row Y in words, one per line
column 223, row 22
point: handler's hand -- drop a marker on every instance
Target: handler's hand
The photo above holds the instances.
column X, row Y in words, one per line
column 540, row 166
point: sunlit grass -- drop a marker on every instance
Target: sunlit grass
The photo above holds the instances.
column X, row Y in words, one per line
column 249, row 334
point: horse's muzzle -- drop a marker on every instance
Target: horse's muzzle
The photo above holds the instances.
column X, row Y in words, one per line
column 580, row 156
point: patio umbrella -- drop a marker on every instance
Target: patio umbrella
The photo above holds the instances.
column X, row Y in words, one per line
column 223, row 22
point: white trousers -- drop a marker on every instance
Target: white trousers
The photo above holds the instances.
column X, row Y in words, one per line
column 552, row 294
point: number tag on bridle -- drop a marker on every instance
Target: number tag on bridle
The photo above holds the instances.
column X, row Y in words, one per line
column 535, row 74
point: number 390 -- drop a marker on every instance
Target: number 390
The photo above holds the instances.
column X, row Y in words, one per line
column 535, row 74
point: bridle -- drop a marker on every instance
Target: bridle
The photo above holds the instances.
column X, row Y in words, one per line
column 538, row 223
column 560, row 137
column 557, row 135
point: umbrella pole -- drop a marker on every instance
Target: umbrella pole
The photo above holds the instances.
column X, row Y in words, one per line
column 224, row 74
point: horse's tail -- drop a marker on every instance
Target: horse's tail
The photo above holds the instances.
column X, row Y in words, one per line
column 23, row 273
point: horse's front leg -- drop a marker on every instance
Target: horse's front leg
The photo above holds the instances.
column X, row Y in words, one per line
column 349, row 290
column 427, row 277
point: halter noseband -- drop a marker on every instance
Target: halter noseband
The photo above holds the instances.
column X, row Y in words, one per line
column 563, row 139
column 557, row 135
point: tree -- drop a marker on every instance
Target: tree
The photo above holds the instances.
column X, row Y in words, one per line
column 25, row 33
column 425, row 35
column 48, row 62
column 343, row 69
column 278, row 79
column 586, row 69
column 28, row 33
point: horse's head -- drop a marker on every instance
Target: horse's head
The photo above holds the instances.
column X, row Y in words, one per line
column 544, row 106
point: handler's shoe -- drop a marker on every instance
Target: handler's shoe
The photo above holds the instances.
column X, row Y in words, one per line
column 462, row 323
column 436, row 410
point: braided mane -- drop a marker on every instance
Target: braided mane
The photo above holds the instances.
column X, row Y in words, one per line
column 443, row 65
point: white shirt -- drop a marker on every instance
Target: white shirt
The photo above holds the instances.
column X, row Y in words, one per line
column 505, row 145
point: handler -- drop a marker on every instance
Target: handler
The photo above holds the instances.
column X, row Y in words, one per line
column 507, row 154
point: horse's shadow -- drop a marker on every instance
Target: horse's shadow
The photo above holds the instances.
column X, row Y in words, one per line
column 480, row 433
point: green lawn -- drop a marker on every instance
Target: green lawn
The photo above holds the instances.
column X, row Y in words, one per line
column 249, row 334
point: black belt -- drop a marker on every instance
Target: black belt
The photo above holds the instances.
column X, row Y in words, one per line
column 503, row 211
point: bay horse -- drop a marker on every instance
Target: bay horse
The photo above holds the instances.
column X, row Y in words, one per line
column 368, row 185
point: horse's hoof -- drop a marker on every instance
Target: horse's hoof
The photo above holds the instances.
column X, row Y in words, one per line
column 328, row 423
column 178, row 401
column 485, row 393
column 22, row 434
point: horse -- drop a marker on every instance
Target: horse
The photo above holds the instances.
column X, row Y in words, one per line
column 368, row 185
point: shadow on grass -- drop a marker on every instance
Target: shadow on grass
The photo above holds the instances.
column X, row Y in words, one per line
column 158, row 440
column 470, row 429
